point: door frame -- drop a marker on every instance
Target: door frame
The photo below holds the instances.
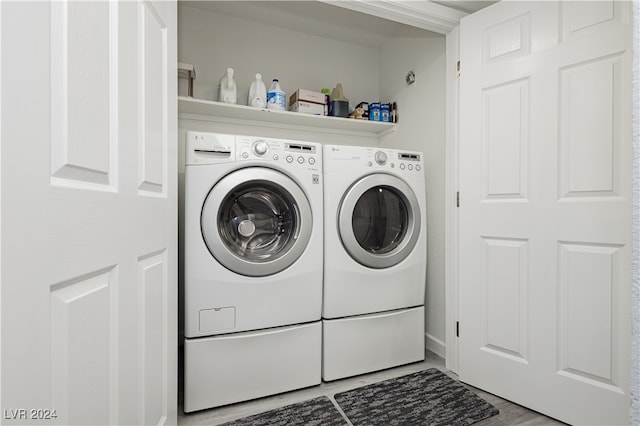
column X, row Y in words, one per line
column 452, row 217
column 452, row 124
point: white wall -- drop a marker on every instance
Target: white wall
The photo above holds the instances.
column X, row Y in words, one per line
column 421, row 127
column 213, row 41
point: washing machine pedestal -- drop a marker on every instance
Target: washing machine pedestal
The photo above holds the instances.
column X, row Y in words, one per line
column 230, row 368
column 365, row 343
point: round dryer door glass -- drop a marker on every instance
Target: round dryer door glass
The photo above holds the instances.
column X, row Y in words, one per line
column 379, row 220
column 256, row 221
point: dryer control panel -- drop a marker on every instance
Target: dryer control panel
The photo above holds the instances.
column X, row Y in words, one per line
column 337, row 158
column 394, row 159
column 410, row 160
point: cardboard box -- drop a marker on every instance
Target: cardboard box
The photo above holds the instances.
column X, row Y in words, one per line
column 307, row 108
column 186, row 75
column 307, row 96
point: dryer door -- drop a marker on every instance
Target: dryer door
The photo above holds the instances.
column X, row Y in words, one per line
column 379, row 220
column 256, row 221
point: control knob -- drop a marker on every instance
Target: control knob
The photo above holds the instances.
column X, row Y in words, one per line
column 381, row 158
column 260, row 148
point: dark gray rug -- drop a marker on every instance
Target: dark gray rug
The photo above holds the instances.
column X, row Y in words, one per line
column 428, row 397
column 315, row 412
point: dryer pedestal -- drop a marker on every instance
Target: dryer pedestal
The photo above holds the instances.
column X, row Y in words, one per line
column 366, row 343
column 230, row 368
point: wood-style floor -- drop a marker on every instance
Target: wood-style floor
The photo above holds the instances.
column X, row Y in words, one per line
column 510, row 414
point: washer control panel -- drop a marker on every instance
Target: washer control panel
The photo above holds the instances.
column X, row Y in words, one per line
column 285, row 152
column 215, row 148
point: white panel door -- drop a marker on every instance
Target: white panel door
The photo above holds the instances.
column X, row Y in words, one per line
column 545, row 207
column 89, row 226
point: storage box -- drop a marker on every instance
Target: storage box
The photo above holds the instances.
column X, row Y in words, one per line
column 307, row 108
column 186, row 75
column 307, row 96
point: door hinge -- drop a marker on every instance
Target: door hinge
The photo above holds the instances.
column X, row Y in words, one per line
column 458, row 199
column 458, row 69
column 457, row 328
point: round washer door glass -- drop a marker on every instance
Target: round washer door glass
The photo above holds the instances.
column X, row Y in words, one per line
column 256, row 221
column 379, row 221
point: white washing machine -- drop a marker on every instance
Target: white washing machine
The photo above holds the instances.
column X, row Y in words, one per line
column 252, row 267
column 375, row 259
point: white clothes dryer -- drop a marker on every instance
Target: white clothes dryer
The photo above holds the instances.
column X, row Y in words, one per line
column 375, row 259
column 252, row 267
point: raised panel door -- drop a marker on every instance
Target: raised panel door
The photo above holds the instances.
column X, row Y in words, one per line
column 545, row 210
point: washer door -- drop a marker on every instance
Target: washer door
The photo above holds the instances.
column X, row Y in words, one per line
column 379, row 221
column 256, row 221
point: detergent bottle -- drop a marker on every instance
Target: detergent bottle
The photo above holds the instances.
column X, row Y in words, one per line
column 257, row 93
column 275, row 97
column 227, row 91
column 339, row 105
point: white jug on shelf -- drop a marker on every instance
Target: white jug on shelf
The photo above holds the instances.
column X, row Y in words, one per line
column 227, row 91
column 276, row 98
column 257, row 93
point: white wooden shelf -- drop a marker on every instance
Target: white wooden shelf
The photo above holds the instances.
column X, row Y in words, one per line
column 217, row 111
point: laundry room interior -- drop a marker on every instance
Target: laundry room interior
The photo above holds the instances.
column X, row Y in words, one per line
column 315, row 45
column 312, row 45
